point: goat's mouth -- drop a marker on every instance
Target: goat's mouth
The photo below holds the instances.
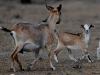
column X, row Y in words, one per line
column 58, row 22
column 87, row 31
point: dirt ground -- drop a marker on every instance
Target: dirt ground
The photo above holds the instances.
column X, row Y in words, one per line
column 74, row 13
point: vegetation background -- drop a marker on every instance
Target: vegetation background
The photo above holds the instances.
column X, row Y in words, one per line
column 74, row 13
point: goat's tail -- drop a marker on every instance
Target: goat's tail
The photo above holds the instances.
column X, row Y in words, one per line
column 5, row 29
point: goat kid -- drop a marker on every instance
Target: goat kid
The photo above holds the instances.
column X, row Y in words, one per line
column 74, row 41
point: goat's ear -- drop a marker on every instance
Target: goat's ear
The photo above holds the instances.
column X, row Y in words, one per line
column 91, row 26
column 59, row 7
column 49, row 8
column 82, row 26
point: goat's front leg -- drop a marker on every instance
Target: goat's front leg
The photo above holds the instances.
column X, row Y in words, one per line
column 56, row 52
column 50, row 61
column 50, row 58
column 59, row 47
column 87, row 55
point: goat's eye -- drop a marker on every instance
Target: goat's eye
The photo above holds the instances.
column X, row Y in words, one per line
column 54, row 11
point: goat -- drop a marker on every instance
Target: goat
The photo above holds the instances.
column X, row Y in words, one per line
column 33, row 38
column 87, row 33
column 73, row 41
column 98, row 51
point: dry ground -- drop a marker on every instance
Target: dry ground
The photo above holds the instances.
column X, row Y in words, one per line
column 74, row 13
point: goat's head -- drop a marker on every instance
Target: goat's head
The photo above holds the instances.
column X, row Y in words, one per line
column 54, row 14
column 87, row 27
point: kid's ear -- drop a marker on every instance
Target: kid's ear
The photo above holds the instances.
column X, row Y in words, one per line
column 91, row 26
column 82, row 26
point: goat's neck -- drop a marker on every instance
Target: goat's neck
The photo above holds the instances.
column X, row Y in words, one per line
column 52, row 22
column 86, row 37
column 52, row 26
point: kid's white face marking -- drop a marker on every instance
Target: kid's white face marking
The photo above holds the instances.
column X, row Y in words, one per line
column 86, row 27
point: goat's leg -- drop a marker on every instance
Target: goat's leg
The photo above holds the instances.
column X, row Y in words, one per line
column 19, row 63
column 35, row 60
column 56, row 52
column 50, row 60
column 87, row 55
column 76, row 63
column 59, row 47
column 70, row 55
column 15, row 58
column 89, row 58
column 12, row 64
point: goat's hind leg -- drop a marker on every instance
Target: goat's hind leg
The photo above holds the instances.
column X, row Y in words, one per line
column 35, row 60
column 14, row 58
column 71, row 56
column 19, row 63
column 12, row 62
column 77, row 63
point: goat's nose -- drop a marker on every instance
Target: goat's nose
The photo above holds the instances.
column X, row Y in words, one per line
column 87, row 31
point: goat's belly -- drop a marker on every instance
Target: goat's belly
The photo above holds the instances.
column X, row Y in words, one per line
column 73, row 47
column 29, row 48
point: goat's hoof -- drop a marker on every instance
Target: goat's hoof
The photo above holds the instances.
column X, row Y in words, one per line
column 11, row 69
column 40, row 59
column 77, row 66
column 29, row 67
column 90, row 61
column 53, row 68
column 22, row 69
